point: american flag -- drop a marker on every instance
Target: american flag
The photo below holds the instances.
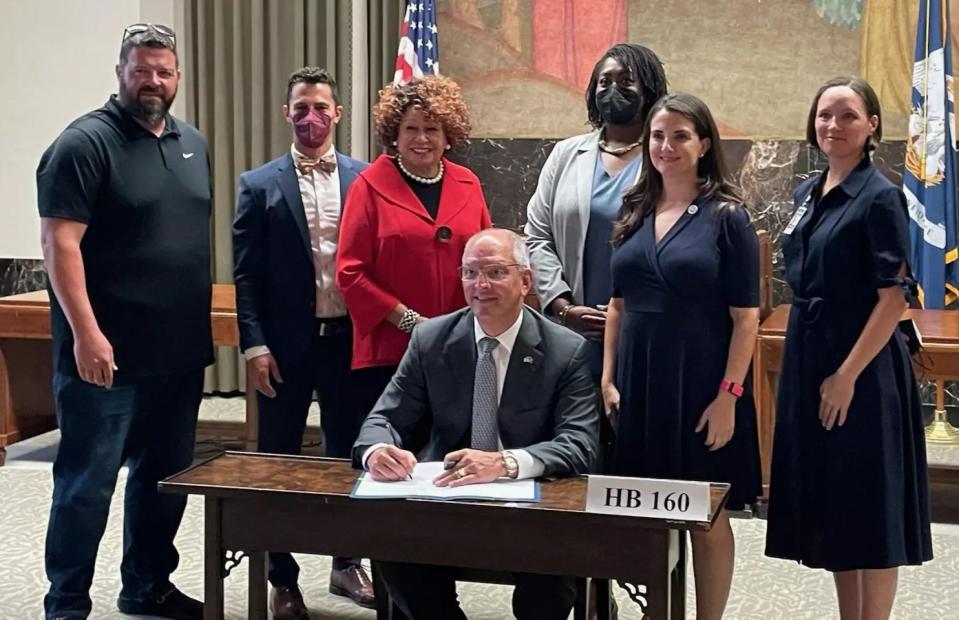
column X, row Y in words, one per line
column 419, row 52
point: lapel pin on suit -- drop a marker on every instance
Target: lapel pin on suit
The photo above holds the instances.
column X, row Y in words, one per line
column 528, row 359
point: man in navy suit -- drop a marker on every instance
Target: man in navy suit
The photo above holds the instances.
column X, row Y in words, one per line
column 294, row 329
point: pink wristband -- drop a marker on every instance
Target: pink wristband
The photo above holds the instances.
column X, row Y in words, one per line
column 733, row 388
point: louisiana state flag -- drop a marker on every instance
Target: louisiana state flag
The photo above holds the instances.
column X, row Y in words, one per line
column 929, row 179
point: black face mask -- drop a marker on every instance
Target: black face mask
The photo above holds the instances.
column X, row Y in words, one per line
column 618, row 106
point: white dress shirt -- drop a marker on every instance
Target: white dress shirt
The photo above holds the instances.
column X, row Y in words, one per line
column 320, row 193
column 529, row 466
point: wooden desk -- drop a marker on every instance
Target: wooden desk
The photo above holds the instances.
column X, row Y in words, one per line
column 940, row 337
column 26, row 399
column 257, row 502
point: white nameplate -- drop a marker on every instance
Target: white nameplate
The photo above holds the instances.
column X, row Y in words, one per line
column 797, row 216
column 794, row 221
column 653, row 498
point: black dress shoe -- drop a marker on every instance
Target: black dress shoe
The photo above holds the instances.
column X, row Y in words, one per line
column 172, row 604
column 353, row 582
column 286, row 603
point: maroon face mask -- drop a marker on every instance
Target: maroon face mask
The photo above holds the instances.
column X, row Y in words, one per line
column 312, row 128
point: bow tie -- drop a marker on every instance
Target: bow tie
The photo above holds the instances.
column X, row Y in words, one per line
column 326, row 164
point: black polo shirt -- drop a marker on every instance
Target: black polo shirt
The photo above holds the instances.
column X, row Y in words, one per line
column 146, row 202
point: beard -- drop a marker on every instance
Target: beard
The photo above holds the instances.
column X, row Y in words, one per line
column 150, row 110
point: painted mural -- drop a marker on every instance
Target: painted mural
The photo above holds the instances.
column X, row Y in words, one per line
column 524, row 64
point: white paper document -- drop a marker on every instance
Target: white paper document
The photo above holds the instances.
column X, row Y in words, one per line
column 421, row 486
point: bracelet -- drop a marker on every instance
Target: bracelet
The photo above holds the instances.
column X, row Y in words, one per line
column 736, row 389
column 561, row 315
column 409, row 320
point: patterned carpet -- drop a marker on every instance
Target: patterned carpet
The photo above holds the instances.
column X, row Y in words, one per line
column 763, row 589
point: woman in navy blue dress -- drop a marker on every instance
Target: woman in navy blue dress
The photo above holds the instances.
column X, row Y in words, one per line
column 848, row 491
column 681, row 328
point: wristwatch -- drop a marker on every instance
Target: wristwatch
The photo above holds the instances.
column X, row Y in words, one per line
column 510, row 463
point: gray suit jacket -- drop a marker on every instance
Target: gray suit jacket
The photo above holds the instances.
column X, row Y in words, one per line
column 557, row 217
column 548, row 407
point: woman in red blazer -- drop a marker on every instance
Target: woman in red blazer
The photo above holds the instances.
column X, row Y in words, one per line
column 405, row 223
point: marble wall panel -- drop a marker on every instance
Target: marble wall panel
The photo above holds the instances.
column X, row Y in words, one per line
column 509, row 171
column 767, row 170
column 20, row 275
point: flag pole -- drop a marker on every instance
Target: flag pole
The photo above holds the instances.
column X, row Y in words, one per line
column 941, row 431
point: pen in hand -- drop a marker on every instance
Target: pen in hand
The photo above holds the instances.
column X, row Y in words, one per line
column 395, row 437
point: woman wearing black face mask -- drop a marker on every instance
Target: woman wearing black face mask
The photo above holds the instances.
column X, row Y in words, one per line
column 570, row 217
column 580, row 190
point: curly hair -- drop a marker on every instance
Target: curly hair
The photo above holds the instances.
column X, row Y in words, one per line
column 439, row 98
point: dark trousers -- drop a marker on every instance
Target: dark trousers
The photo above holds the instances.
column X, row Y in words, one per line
column 371, row 382
column 282, row 420
column 149, row 423
column 426, row 592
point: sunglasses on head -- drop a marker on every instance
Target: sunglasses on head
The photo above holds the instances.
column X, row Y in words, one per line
column 160, row 29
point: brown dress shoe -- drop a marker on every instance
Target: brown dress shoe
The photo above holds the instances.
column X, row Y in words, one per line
column 286, row 603
column 353, row 582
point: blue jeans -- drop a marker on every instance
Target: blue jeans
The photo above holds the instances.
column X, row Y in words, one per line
column 149, row 423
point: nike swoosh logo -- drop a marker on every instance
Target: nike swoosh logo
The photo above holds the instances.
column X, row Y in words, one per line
column 187, row 155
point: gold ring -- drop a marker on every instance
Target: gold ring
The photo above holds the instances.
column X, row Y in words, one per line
column 460, row 473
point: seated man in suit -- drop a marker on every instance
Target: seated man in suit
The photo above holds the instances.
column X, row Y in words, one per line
column 501, row 391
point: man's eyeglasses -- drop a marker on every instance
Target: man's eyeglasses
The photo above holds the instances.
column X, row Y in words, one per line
column 493, row 273
column 160, row 29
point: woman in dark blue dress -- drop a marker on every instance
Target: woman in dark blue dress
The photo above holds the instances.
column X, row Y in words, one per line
column 681, row 327
column 848, row 491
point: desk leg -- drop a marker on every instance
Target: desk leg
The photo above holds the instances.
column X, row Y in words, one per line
column 764, row 380
column 679, row 580
column 257, row 585
column 604, row 598
column 213, row 560
column 659, row 590
column 26, row 391
column 760, row 396
column 252, row 416
column 384, row 604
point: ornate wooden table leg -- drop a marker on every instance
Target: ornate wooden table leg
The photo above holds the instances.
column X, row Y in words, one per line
column 385, row 610
column 679, row 579
column 213, row 556
column 252, row 416
column 604, row 599
column 661, row 586
column 256, row 589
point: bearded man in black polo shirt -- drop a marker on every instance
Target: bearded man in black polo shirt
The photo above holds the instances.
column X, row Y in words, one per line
column 124, row 198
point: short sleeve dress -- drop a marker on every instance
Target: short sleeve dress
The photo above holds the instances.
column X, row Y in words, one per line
column 674, row 341
column 854, row 497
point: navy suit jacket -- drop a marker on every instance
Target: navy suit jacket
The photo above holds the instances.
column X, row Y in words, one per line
column 273, row 261
column 548, row 406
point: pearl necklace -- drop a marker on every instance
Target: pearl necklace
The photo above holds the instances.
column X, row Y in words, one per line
column 419, row 179
column 622, row 150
